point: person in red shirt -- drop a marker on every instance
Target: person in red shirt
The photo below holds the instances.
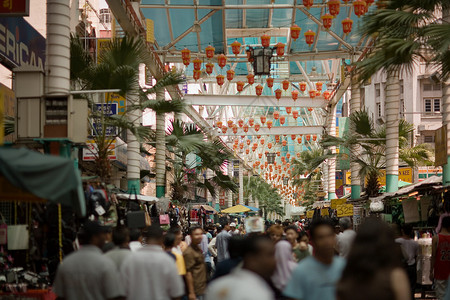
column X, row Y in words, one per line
column 440, row 259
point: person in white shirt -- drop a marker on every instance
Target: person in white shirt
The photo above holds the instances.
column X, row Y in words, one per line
column 135, row 239
column 150, row 273
column 233, row 230
column 345, row 239
column 248, row 282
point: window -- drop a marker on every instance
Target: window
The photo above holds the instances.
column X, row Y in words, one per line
column 379, row 112
column 401, row 87
column 428, row 87
column 428, row 139
column 377, row 90
column 432, row 105
column 105, row 16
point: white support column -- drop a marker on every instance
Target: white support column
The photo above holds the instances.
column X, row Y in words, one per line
column 332, row 161
column 160, row 156
column 355, row 105
column 392, row 110
column 133, row 149
column 230, row 193
column 241, row 183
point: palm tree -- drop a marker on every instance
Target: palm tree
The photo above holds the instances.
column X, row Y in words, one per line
column 406, row 32
column 118, row 68
column 269, row 199
column 373, row 144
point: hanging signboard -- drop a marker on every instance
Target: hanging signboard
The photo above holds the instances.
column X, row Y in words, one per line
column 336, row 202
column 108, row 109
column 91, row 150
column 310, row 214
column 324, row 212
column 14, row 8
column 411, row 210
column 440, row 146
column 344, row 210
column 150, row 28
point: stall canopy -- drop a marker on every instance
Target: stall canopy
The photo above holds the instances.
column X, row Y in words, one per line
column 47, row 177
column 239, row 209
column 148, row 199
column 207, row 208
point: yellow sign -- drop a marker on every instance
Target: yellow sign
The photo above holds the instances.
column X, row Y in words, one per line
column 102, row 45
column 440, row 148
column 7, row 105
column 324, row 212
column 404, row 174
column 309, row 214
column 150, row 31
column 344, row 210
column 336, row 202
column 116, row 98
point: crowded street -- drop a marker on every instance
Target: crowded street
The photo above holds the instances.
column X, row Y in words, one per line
column 224, row 149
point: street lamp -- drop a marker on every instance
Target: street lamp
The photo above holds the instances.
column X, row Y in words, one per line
column 270, row 157
column 285, row 180
column 261, row 59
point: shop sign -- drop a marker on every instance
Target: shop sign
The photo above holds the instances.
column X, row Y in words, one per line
column 404, row 174
column 440, row 146
column 336, row 202
column 108, row 109
column 21, row 44
column 91, row 150
column 344, row 210
column 7, row 108
column 324, row 212
column 150, row 31
column 222, row 198
column 310, row 214
column 14, row 8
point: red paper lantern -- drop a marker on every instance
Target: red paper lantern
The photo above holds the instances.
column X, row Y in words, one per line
column 262, row 141
column 294, row 95
column 278, row 153
column 251, row 122
column 312, row 94
column 197, row 74
column 308, row 137
column 326, row 95
column 259, row 156
column 295, row 32
column 293, row 136
column 359, row 7
column 241, row 123
column 314, row 137
column 278, row 94
column 327, row 21
column 219, row 124
column 309, row 37
column 269, row 82
column 285, row 84
column 269, row 145
column 334, row 7
column 259, row 89
column 276, row 115
column 319, row 86
column 247, row 151
column 185, row 53
column 186, row 61
column 265, row 41
column 298, row 154
column 347, row 25
column 288, row 155
column 241, row 146
column 224, row 129
column 308, row 3
column 299, row 140
column 284, row 143
column 245, row 127
column 209, row 68
column 210, row 51
column 317, row 94
column 197, row 64
column 288, row 110
column 240, row 86
column 310, row 109
column 230, row 75
column 235, row 129
column 280, row 49
column 236, row 47
column 220, row 80
column 263, row 119
column 251, row 79
column 277, row 138
column 302, row 86
column 230, row 124
column 221, row 60
column 269, row 124
column 282, row 120
column 295, row 114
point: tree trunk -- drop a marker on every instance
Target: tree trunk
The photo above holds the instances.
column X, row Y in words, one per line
column 355, row 105
column 392, row 110
column 160, row 156
column 332, row 161
column 133, row 149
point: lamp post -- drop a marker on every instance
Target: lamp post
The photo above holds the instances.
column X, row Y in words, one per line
column 270, row 157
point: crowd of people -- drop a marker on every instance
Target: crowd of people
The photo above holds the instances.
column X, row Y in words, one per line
column 285, row 261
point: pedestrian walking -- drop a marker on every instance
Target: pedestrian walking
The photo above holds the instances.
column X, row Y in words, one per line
column 440, row 259
column 410, row 251
column 222, row 244
column 345, row 239
column 196, row 276
column 121, row 240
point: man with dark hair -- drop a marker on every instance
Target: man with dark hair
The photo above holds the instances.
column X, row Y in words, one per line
column 135, row 239
column 345, row 239
column 176, row 250
column 196, row 276
column 316, row 276
column 410, row 251
column 226, row 266
column 248, row 282
column 440, row 259
column 121, row 239
column 149, row 273
column 222, row 244
column 86, row 273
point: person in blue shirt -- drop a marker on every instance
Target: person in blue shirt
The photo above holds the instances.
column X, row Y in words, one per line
column 316, row 276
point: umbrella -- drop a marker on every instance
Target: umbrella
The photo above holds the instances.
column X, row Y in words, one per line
column 208, row 208
column 48, row 177
column 251, row 208
column 236, row 209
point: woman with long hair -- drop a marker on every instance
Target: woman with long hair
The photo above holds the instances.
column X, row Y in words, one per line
column 374, row 269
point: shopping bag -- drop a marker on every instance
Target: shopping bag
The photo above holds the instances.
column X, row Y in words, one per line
column 164, row 219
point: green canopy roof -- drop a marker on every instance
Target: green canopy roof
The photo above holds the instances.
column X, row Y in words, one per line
column 48, row 177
